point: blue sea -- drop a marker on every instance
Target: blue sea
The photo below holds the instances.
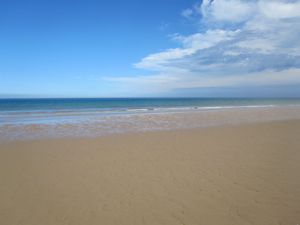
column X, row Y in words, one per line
column 51, row 109
column 43, row 118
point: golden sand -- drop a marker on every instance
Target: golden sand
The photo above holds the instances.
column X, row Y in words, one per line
column 245, row 174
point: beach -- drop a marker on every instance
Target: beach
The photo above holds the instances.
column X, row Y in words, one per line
column 153, row 112
column 245, row 173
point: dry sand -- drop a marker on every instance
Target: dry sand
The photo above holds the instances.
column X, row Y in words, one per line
column 245, row 174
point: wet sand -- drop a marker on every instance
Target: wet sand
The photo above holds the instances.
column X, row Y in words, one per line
column 241, row 174
column 27, row 128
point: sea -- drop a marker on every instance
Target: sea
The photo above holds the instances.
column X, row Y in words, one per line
column 59, row 117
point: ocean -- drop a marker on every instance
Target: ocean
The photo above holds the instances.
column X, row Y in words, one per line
column 34, row 118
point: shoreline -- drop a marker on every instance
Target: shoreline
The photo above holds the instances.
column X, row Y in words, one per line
column 95, row 126
column 133, row 133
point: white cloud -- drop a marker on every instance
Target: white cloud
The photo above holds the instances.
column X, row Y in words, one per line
column 227, row 10
column 279, row 9
column 205, row 40
column 241, row 10
column 161, row 59
column 190, row 45
column 245, row 43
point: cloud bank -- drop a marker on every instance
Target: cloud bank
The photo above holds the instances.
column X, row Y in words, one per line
column 250, row 43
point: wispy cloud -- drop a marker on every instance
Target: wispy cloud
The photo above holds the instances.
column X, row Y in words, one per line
column 187, row 13
column 243, row 43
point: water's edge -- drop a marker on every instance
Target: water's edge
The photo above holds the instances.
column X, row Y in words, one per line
column 37, row 125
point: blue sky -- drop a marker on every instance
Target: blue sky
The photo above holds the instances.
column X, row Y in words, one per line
column 85, row 48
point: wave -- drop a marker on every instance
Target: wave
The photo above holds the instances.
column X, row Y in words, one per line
column 80, row 115
column 120, row 110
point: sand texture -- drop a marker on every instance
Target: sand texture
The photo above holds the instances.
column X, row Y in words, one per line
column 233, row 175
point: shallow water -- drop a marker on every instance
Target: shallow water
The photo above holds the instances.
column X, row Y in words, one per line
column 93, row 123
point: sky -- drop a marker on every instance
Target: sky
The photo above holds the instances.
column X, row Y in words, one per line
column 157, row 48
